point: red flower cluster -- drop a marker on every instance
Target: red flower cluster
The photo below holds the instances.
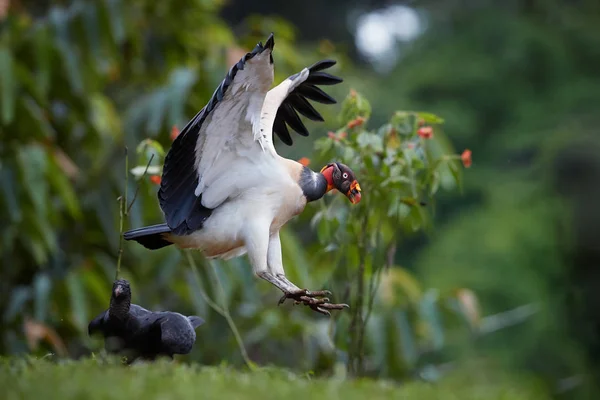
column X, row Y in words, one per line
column 358, row 121
column 174, row 132
column 426, row 132
column 466, row 158
column 304, row 161
column 155, row 179
column 337, row 137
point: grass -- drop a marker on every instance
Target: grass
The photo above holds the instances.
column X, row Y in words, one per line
column 92, row 379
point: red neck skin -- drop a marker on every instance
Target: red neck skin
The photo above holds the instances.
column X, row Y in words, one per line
column 328, row 174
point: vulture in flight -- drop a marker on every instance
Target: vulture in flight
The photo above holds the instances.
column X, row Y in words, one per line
column 225, row 190
column 134, row 332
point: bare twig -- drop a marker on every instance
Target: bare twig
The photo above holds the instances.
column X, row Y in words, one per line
column 122, row 213
column 222, row 310
column 137, row 188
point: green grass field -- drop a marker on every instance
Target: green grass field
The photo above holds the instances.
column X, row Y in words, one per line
column 90, row 379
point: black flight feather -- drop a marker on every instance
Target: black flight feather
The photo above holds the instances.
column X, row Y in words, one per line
column 297, row 101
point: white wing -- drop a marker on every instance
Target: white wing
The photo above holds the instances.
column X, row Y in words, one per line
column 203, row 166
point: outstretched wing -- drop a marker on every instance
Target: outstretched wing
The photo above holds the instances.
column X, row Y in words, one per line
column 208, row 159
column 297, row 101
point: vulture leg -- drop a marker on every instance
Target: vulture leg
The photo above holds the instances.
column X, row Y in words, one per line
column 276, row 276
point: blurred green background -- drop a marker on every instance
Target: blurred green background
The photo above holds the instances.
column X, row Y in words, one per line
column 518, row 247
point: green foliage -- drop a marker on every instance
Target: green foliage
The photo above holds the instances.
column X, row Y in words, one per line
column 399, row 165
column 33, row 378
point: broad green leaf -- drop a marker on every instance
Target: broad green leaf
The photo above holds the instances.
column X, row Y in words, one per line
column 33, row 163
column 10, row 191
column 61, row 185
column 41, row 289
column 407, row 340
column 115, row 12
column 430, row 118
column 19, row 297
column 8, row 85
column 77, row 297
column 105, row 117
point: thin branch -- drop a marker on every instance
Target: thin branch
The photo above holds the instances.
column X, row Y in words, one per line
column 122, row 213
column 222, row 310
column 208, row 300
column 137, row 188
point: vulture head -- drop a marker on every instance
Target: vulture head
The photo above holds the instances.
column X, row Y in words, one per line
column 341, row 177
column 121, row 290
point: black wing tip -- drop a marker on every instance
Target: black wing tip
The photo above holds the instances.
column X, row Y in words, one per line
column 270, row 43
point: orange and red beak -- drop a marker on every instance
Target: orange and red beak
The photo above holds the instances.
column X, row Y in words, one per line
column 354, row 193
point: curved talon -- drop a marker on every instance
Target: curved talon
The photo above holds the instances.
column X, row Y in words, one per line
column 314, row 300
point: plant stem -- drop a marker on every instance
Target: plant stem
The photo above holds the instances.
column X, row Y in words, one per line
column 356, row 331
column 122, row 215
column 223, row 310
column 137, row 188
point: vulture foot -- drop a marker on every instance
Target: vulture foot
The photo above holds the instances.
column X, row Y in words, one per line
column 313, row 299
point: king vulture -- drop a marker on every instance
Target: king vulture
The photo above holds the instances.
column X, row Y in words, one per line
column 224, row 189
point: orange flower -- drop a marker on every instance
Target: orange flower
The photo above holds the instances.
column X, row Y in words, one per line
column 155, row 179
column 174, row 132
column 352, row 93
column 466, row 158
column 426, row 132
column 342, row 135
column 358, row 121
column 304, row 161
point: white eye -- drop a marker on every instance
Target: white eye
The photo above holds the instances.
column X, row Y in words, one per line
column 345, row 175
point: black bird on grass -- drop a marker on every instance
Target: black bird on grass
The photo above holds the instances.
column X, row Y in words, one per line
column 134, row 332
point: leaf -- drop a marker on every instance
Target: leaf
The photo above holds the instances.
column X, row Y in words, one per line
column 407, row 339
column 430, row 313
column 8, row 85
column 354, row 106
column 18, row 298
column 10, row 191
column 59, row 19
column 41, row 289
column 38, row 117
column 150, row 143
column 78, row 301
column 156, row 111
column 398, row 284
column 105, row 118
column 367, row 139
column 116, row 14
column 430, row 118
column 43, row 72
column 62, row 186
column 33, row 162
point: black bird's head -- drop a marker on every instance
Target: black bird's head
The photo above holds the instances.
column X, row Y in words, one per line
column 341, row 177
column 121, row 290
